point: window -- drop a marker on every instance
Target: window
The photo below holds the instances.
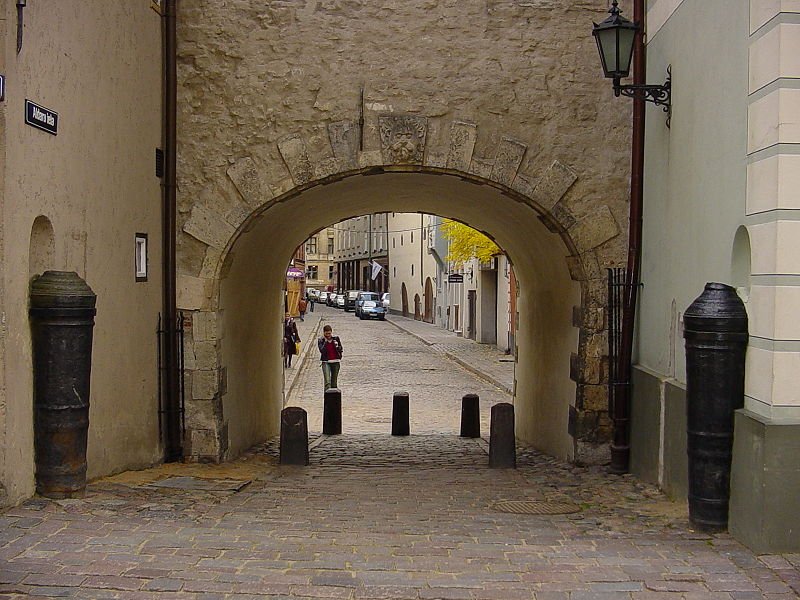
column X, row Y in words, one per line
column 394, row 241
column 412, row 237
column 330, row 272
column 401, row 239
column 140, row 256
column 330, row 245
column 311, row 246
column 394, row 271
column 311, row 272
column 412, row 268
column 423, row 233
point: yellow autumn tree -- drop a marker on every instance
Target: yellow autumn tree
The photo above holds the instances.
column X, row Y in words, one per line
column 467, row 243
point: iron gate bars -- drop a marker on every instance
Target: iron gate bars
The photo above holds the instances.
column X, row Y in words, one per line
column 168, row 412
column 618, row 384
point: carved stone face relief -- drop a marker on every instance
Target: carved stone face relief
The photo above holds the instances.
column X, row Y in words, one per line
column 403, row 138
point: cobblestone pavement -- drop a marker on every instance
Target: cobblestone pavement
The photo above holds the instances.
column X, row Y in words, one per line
column 376, row 516
column 484, row 360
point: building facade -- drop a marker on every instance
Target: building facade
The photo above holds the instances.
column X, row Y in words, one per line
column 721, row 204
column 360, row 242
column 80, row 191
column 320, row 264
column 412, row 267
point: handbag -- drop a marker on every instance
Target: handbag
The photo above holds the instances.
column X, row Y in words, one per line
column 297, row 347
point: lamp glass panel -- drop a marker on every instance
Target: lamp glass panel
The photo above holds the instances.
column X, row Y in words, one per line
column 626, row 37
column 607, row 42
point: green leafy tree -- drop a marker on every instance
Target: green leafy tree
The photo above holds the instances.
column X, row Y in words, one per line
column 467, row 243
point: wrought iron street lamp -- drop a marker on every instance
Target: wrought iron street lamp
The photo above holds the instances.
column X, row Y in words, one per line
column 615, row 41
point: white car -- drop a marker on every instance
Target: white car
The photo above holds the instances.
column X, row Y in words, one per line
column 340, row 299
column 385, row 300
column 323, row 297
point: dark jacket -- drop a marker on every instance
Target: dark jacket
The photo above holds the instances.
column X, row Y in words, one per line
column 321, row 345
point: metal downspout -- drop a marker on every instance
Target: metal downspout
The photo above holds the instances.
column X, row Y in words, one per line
column 620, row 446
column 173, row 449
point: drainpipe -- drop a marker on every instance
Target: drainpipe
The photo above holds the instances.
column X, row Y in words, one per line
column 620, row 446
column 173, row 449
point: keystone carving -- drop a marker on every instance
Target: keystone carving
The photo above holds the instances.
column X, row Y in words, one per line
column 245, row 176
column 462, row 143
column 403, row 138
column 344, row 140
column 507, row 162
column 294, row 153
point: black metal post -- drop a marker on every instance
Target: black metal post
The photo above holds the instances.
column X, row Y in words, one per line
column 715, row 330
column 502, row 441
column 470, row 416
column 400, row 414
column 62, row 309
column 294, row 436
column 332, row 412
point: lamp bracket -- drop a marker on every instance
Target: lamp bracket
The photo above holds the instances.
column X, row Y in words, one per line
column 660, row 95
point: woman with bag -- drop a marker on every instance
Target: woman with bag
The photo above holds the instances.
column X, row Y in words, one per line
column 291, row 340
column 330, row 350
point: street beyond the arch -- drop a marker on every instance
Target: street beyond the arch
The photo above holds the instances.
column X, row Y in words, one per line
column 376, row 516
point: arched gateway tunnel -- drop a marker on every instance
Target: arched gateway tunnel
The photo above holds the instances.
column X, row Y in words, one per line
column 295, row 126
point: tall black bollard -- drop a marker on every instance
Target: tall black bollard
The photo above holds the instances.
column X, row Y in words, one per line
column 470, row 416
column 294, row 436
column 502, row 441
column 400, row 414
column 62, row 313
column 332, row 412
column 715, row 329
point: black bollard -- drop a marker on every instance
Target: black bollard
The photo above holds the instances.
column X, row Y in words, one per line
column 400, row 414
column 502, row 441
column 715, row 330
column 294, row 436
column 470, row 416
column 62, row 313
column 332, row 412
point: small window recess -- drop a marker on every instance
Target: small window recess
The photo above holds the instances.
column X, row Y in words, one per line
column 141, row 256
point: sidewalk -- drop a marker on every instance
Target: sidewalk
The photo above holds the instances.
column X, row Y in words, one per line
column 484, row 360
column 309, row 331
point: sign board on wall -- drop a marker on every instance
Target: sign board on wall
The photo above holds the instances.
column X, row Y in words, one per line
column 41, row 117
column 455, row 278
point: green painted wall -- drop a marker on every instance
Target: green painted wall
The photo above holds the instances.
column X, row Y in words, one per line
column 695, row 172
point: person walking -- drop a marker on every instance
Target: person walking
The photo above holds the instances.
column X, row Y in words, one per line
column 330, row 350
column 291, row 338
column 301, row 306
column 310, row 301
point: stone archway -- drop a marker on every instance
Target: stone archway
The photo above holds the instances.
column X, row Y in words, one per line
column 214, row 230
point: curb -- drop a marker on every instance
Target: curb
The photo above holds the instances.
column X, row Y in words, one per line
column 301, row 359
column 475, row 371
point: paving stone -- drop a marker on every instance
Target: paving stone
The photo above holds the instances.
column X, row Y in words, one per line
column 376, row 516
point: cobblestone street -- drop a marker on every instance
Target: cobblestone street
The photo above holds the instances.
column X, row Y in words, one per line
column 376, row 516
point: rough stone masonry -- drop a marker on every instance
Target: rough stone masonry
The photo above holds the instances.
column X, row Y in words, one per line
column 510, row 91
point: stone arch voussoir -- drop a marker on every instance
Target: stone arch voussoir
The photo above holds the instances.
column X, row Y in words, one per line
column 403, row 147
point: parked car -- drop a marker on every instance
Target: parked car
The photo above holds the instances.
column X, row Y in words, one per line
column 370, row 306
column 331, row 301
column 350, row 299
column 323, row 298
column 365, row 296
column 340, row 300
column 385, row 300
